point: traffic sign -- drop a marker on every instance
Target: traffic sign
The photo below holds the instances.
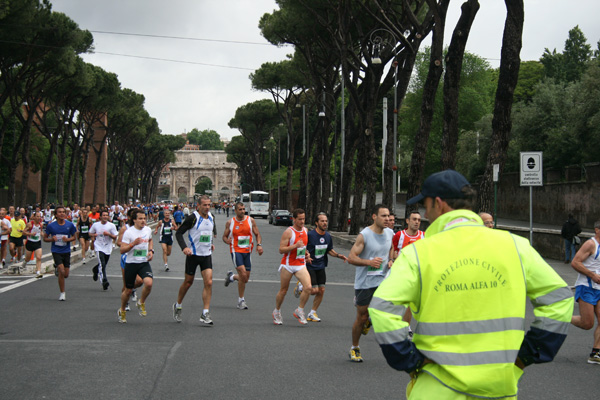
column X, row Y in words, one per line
column 531, row 168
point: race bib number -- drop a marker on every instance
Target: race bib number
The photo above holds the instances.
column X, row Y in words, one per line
column 167, row 231
column 140, row 253
column 244, row 242
column 85, row 229
column 300, row 253
column 35, row 238
column 320, row 250
column 60, row 241
column 379, row 270
column 116, row 222
column 205, row 237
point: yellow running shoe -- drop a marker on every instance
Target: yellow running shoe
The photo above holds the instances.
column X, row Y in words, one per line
column 121, row 316
column 141, row 308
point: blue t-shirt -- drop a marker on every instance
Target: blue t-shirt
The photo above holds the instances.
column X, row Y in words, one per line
column 318, row 246
column 178, row 216
column 67, row 230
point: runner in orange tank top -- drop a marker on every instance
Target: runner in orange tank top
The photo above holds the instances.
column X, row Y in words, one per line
column 293, row 247
column 238, row 235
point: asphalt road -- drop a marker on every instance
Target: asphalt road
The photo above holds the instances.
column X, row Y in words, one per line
column 77, row 350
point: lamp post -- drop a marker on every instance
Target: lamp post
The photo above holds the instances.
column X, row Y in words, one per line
column 378, row 41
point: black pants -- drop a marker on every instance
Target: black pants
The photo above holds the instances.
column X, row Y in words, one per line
column 102, row 261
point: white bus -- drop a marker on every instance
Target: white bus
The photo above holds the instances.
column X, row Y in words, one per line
column 245, row 199
column 259, row 204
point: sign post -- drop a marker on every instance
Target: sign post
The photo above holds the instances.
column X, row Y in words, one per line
column 531, row 175
column 495, row 176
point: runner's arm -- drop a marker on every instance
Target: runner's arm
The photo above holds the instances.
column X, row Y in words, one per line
column 584, row 252
column 186, row 225
column 226, row 232
column 358, row 247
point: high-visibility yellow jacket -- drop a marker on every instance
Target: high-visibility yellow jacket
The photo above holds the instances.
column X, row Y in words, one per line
column 467, row 286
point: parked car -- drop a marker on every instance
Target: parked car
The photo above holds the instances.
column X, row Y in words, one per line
column 283, row 217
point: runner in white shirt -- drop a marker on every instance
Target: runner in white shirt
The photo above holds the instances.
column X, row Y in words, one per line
column 103, row 232
column 5, row 229
column 138, row 245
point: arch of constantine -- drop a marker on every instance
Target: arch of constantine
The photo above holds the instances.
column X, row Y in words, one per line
column 192, row 164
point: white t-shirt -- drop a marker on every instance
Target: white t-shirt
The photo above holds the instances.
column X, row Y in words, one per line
column 8, row 225
column 138, row 254
column 103, row 243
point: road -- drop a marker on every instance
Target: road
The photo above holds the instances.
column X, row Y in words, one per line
column 77, row 350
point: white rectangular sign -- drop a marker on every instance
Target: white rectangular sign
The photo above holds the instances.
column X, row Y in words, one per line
column 531, row 168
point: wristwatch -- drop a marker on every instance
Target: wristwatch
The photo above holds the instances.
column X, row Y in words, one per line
column 259, row 244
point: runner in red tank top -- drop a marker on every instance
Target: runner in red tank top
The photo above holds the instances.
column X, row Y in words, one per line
column 293, row 247
column 238, row 235
column 402, row 239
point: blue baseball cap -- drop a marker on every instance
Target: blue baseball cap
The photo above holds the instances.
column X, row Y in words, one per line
column 447, row 184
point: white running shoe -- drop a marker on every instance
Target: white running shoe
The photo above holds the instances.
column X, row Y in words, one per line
column 62, row 297
column 277, row 320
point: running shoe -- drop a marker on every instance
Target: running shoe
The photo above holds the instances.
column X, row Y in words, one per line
column 166, row 267
column 177, row 313
column 205, row 318
column 312, row 316
column 121, row 316
column 355, row 355
column 105, row 285
column 95, row 272
column 39, row 275
column 228, row 278
column 242, row 305
column 277, row 320
column 141, row 309
column 297, row 289
column 366, row 327
column 299, row 314
column 127, row 308
column 133, row 295
column 594, row 358
column 62, row 297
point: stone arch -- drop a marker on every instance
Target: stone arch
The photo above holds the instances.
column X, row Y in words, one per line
column 211, row 186
column 182, row 193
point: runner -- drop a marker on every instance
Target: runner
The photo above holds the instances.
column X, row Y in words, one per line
column 16, row 237
column 116, row 218
column 587, row 289
column 238, row 235
column 178, row 215
column 138, row 280
column 33, row 231
column 5, row 229
column 74, row 218
column 402, row 239
column 138, row 245
column 371, row 253
column 47, row 215
column 166, row 226
column 103, row 233
column 201, row 225
column 293, row 263
column 61, row 232
column 320, row 245
column 83, row 233
column 94, row 217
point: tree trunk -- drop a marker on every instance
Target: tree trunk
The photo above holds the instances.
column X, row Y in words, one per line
column 454, row 60
column 89, row 135
column 417, row 163
column 388, row 173
column 62, row 157
column 510, row 62
column 26, row 133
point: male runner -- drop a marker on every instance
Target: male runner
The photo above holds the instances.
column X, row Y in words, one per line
column 319, row 245
column 201, row 227
column 47, row 215
column 402, row 239
column 371, row 253
column 166, row 226
column 103, row 233
column 33, row 231
column 238, row 235
column 138, row 245
column 5, row 229
column 293, row 263
column 94, row 217
column 587, row 289
column 60, row 233
column 74, row 218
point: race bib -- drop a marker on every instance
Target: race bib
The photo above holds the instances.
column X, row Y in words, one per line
column 167, row 231
column 379, row 270
column 85, row 229
column 140, row 253
column 35, row 238
column 116, row 223
column 205, row 237
column 300, row 253
column 244, row 242
column 60, row 241
column 320, row 250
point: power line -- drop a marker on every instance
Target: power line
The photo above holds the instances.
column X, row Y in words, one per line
column 171, row 60
column 181, row 38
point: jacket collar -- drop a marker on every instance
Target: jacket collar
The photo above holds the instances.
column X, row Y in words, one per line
column 452, row 219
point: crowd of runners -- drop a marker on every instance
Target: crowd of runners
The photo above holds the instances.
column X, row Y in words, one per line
column 397, row 277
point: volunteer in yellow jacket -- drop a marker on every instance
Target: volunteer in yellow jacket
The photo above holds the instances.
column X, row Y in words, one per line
column 466, row 286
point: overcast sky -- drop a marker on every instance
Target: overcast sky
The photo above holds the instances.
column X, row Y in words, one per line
column 210, row 81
